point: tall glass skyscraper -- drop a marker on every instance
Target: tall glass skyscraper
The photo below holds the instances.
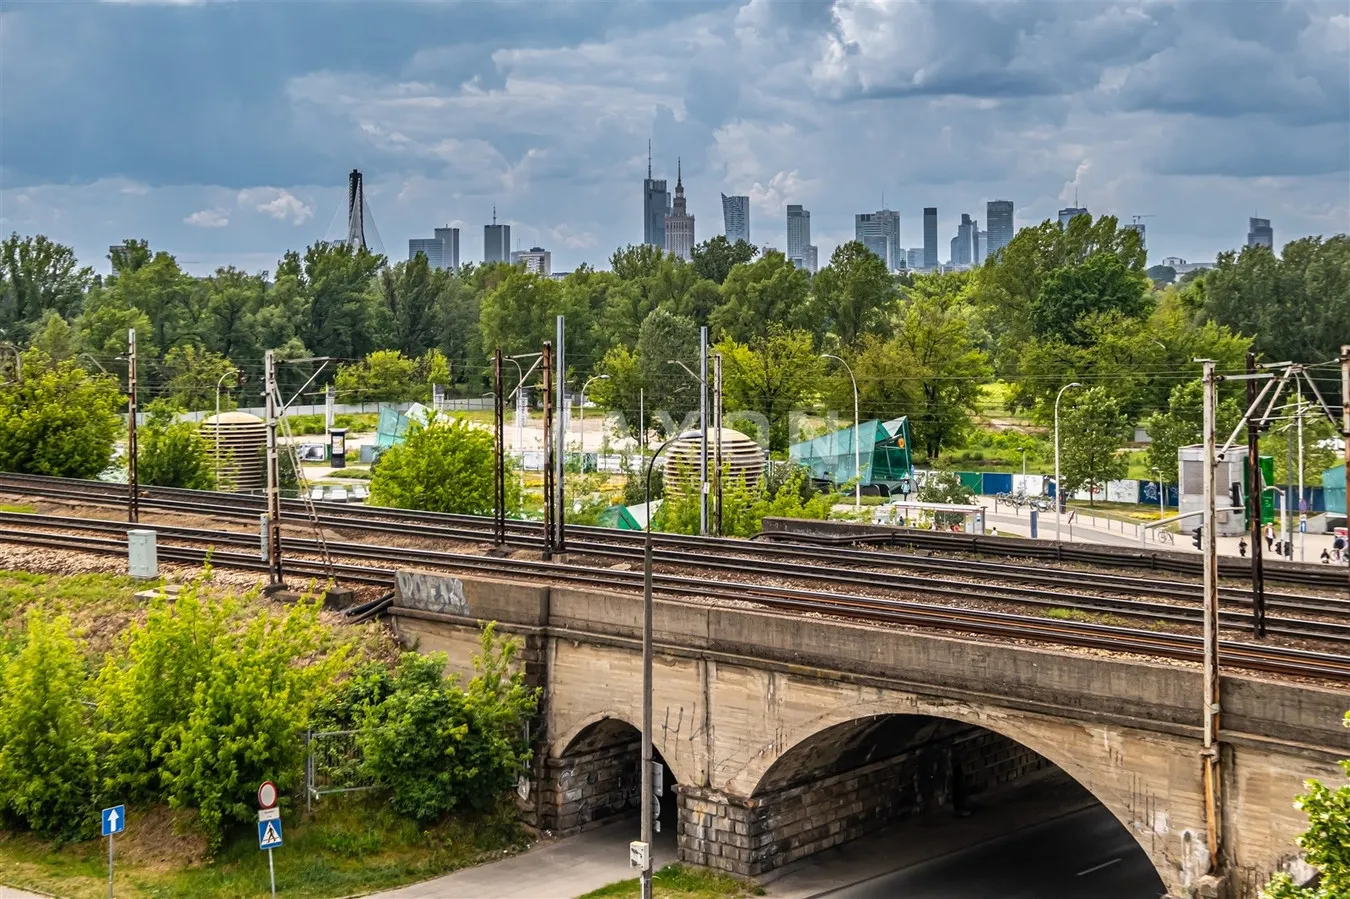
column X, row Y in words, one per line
column 998, row 222
column 655, row 207
column 442, row 251
column 880, row 232
column 496, row 241
column 798, row 232
column 736, row 218
column 680, row 224
column 1070, row 213
column 930, row 250
column 1260, row 234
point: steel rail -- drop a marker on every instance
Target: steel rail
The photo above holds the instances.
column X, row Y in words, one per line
column 1076, row 633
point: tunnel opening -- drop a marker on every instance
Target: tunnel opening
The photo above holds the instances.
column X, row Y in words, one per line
column 900, row 790
column 597, row 779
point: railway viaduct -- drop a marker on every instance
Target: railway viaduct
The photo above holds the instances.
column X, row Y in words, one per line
column 788, row 735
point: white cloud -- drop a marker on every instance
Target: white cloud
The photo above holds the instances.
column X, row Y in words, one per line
column 280, row 204
column 573, row 239
column 208, row 218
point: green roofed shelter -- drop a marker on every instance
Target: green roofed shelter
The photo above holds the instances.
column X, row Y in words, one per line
column 886, row 457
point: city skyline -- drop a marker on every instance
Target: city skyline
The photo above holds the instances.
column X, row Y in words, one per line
column 1198, row 115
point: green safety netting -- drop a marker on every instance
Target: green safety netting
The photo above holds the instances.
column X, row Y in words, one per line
column 885, row 453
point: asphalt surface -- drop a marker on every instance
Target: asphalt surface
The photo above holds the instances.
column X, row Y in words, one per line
column 1083, row 855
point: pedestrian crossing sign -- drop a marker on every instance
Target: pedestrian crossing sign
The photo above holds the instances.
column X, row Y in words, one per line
column 269, row 834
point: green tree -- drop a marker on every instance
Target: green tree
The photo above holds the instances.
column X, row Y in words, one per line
column 1102, row 283
column 767, row 292
column 47, row 764
column 745, row 506
column 1161, row 274
column 945, row 487
column 171, row 299
column 519, row 314
column 714, row 259
column 773, row 376
column 239, row 323
column 58, row 420
column 191, row 377
column 55, row 338
column 1092, row 430
column 439, row 748
column 852, row 293
column 1325, row 844
column 1296, row 305
column 669, row 388
column 620, row 391
column 1181, row 425
column 383, row 376
column 458, row 307
column 442, row 467
column 334, row 295
column 173, row 453
column 38, row 276
column 409, row 291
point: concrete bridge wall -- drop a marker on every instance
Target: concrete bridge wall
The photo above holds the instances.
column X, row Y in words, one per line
column 748, row 705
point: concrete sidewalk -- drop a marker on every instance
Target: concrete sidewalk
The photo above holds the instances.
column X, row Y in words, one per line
column 561, row 869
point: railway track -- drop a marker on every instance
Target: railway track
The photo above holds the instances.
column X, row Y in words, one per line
column 888, row 610
column 889, row 570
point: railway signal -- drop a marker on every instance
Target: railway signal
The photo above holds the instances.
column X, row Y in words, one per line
column 1195, row 537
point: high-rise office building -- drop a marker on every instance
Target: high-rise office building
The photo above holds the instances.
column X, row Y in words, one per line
column 680, row 224
column 496, row 241
column 1260, row 234
column 442, row 251
column 1137, row 226
column 736, row 218
column 1070, row 213
column 914, row 258
column 966, row 242
column 880, row 232
column 811, row 256
column 930, row 250
column 798, row 232
column 981, row 246
column 998, row 223
column 655, row 207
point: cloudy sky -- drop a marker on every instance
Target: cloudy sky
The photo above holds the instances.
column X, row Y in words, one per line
column 223, row 131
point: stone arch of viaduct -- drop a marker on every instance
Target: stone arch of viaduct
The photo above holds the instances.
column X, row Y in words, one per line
column 746, row 703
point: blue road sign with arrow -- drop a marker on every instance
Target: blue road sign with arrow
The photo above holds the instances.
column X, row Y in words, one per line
column 269, row 834
column 114, row 820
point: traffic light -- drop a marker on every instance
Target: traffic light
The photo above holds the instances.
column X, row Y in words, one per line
column 1195, row 536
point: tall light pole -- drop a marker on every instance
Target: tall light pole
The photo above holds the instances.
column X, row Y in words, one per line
column 1162, row 513
column 857, row 449
column 231, row 371
column 1059, row 491
column 703, row 451
column 646, row 830
column 581, row 425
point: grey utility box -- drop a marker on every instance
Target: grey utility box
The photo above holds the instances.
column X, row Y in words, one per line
column 142, row 558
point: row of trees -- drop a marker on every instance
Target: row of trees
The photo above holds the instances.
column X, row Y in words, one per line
column 1057, row 304
column 211, row 695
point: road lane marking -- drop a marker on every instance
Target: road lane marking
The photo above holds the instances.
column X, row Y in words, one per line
column 1099, row 867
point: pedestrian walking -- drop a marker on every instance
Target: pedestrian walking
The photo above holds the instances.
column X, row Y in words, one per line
column 1326, row 557
column 1242, row 548
column 1270, row 535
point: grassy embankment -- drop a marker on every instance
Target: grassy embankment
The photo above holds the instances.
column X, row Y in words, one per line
column 679, row 882
column 349, row 845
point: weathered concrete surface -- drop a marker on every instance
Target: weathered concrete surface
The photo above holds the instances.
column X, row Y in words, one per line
column 737, row 691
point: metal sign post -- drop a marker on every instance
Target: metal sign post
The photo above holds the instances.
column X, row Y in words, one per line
column 114, row 820
column 269, row 827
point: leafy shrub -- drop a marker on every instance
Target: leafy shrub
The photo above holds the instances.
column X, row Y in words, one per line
column 1325, row 844
column 205, row 707
column 744, row 508
column 442, row 467
column 59, row 420
column 173, row 453
column 439, row 748
column 47, row 767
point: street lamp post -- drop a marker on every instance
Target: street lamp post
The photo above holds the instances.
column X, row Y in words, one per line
column 1059, row 492
column 581, row 425
column 857, row 450
column 1162, row 510
column 220, row 381
column 646, row 829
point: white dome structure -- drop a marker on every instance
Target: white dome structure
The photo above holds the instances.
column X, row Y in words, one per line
column 742, row 459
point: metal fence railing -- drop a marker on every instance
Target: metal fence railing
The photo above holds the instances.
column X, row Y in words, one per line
column 333, row 764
